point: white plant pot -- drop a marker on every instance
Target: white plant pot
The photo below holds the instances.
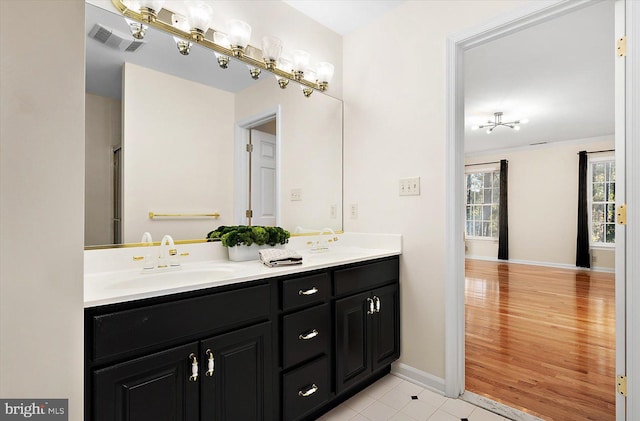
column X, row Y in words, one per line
column 244, row 253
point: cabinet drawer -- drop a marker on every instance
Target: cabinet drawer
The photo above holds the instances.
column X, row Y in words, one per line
column 306, row 334
column 311, row 380
column 360, row 278
column 300, row 292
column 146, row 328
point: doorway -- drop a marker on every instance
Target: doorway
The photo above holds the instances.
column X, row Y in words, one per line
column 257, row 173
column 454, row 343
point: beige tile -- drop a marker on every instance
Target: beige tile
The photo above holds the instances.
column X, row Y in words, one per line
column 458, row 408
column 419, row 410
column 395, row 399
column 400, row 416
column 409, row 388
column 341, row 413
column 432, row 398
column 360, row 417
column 441, row 415
column 359, row 402
column 377, row 390
column 378, row 411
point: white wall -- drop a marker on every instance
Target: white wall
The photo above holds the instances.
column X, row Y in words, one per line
column 310, row 155
column 543, row 204
column 102, row 133
column 177, row 153
column 394, row 92
column 41, row 201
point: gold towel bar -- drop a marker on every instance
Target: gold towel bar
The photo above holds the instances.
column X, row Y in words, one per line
column 184, row 215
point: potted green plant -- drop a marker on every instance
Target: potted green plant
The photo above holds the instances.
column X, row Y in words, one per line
column 244, row 242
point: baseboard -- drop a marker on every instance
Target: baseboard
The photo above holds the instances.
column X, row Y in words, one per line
column 419, row 377
column 546, row 264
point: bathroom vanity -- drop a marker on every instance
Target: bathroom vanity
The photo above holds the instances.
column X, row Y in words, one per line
column 288, row 344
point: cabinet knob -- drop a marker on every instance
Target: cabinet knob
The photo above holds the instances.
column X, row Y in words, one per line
column 194, row 368
column 309, row 391
column 377, row 301
column 371, row 306
column 309, row 335
column 311, row 291
column 211, row 363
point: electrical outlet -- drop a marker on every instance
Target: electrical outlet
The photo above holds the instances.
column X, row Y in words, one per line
column 409, row 186
column 334, row 211
column 296, row 195
column 354, row 211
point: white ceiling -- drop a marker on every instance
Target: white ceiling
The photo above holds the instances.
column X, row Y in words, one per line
column 559, row 75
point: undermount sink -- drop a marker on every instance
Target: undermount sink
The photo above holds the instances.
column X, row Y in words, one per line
column 170, row 278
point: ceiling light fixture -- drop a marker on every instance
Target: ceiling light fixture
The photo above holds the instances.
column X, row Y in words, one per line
column 234, row 43
column 497, row 121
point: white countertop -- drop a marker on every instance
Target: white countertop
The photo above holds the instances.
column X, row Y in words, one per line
column 116, row 286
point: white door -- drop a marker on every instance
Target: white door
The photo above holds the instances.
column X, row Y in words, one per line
column 620, row 266
column 263, row 178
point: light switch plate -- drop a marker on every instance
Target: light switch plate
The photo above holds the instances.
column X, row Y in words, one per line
column 296, row 195
column 409, row 186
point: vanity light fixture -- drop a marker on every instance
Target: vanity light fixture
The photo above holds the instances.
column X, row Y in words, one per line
column 239, row 36
column 184, row 46
column 137, row 29
column 233, row 43
column 497, row 121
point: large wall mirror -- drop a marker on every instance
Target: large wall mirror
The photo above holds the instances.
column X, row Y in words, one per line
column 167, row 134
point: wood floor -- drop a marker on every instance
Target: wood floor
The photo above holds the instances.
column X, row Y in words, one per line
column 541, row 339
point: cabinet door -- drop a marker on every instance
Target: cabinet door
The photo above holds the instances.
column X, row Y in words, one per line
column 240, row 387
column 385, row 326
column 151, row 388
column 353, row 353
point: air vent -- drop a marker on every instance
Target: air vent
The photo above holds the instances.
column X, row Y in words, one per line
column 114, row 39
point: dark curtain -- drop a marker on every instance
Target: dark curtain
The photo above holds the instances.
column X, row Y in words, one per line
column 503, row 219
column 582, row 247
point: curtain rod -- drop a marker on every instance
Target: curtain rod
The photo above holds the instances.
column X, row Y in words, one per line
column 483, row 163
column 606, row 150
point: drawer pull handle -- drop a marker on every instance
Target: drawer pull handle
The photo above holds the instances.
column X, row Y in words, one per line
column 194, row 368
column 310, row 391
column 309, row 335
column 377, row 301
column 311, row 291
column 371, row 306
column 211, row 364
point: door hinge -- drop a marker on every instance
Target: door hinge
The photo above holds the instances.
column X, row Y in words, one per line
column 621, row 214
column 249, row 213
column 249, row 147
column 621, row 46
column 621, row 385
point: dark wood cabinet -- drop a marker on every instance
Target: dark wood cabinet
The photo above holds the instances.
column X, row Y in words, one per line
column 155, row 387
column 367, row 324
column 236, row 384
column 286, row 348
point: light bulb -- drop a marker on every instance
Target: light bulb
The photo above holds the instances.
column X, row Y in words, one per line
column 222, row 40
column 271, row 50
column 239, row 36
column 149, row 9
column 199, row 16
column 300, row 62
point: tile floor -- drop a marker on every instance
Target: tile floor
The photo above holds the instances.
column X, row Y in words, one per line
column 393, row 399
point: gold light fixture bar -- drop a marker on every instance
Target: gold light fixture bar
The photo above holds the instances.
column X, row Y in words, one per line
column 253, row 62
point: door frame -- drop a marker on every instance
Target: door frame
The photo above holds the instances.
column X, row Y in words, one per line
column 456, row 44
column 241, row 183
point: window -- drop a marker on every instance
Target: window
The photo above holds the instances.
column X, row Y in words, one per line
column 483, row 200
column 602, row 195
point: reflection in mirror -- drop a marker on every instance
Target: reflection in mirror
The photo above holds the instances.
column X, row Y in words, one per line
column 167, row 133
